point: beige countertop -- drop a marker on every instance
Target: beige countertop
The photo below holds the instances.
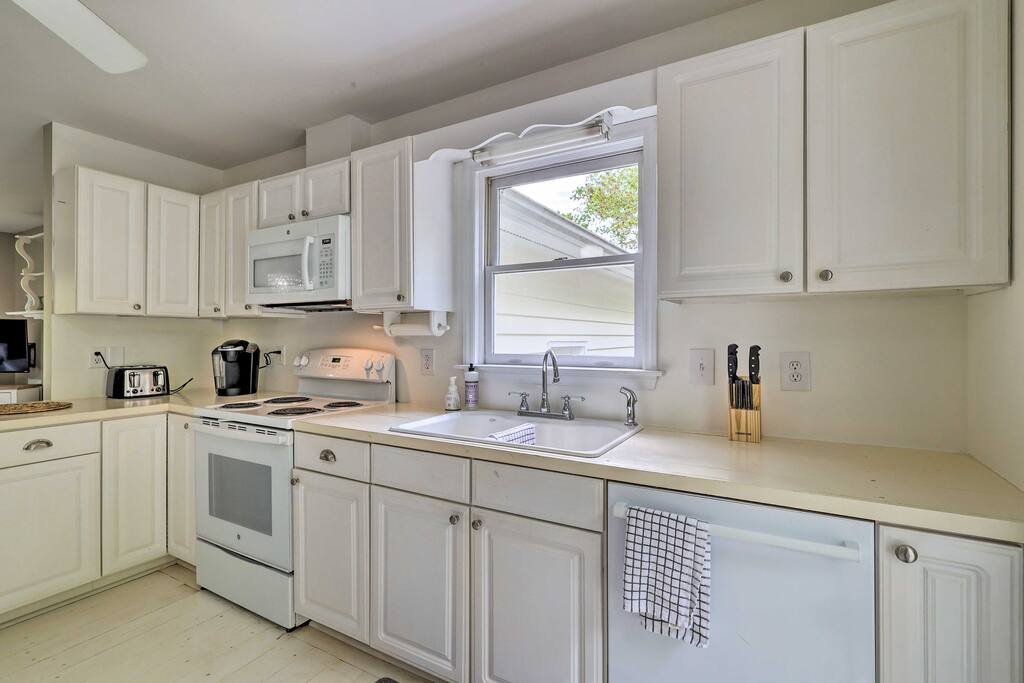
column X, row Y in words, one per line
column 928, row 489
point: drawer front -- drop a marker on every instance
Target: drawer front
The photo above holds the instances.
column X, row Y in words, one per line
column 432, row 474
column 48, row 443
column 340, row 457
column 562, row 498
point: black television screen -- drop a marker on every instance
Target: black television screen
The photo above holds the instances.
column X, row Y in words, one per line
column 13, row 345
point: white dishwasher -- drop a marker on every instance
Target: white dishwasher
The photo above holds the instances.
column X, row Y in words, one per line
column 792, row 597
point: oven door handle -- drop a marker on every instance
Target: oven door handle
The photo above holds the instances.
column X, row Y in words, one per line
column 307, row 251
column 272, row 436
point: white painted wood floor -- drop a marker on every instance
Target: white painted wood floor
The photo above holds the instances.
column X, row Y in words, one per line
column 161, row 628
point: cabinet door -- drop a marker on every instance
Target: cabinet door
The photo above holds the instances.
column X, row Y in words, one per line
column 240, row 220
column 731, row 170
column 907, row 147
column 134, row 492
column 950, row 612
column 537, row 589
column 181, row 489
column 325, row 189
column 172, row 245
column 332, row 552
column 280, row 199
column 382, row 226
column 51, row 537
column 111, row 250
column 212, row 236
column 419, row 609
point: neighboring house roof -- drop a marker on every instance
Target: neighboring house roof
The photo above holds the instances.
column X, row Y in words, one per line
column 532, row 221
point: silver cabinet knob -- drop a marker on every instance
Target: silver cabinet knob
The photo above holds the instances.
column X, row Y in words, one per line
column 906, row 554
column 305, row 213
column 327, row 455
column 187, row 426
column 786, row 276
column 291, row 216
column 477, row 524
column 295, row 480
column 453, row 520
column 400, row 297
column 248, row 307
column 825, row 275
column 137, row 307
column 216, row 309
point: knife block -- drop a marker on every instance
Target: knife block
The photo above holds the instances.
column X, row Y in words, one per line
column 745, row 425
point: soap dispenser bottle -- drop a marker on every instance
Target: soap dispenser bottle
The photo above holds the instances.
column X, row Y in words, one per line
column 452, row 400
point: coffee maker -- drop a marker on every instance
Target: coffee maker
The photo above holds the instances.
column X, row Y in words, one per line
column 236, row 367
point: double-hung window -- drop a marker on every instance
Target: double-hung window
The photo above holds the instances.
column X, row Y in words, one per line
column 566, row 256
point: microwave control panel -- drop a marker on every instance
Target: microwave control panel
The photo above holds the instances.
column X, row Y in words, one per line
column 326, row 261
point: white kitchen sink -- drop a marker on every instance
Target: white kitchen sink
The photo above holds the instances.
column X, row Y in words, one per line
column 580, row 437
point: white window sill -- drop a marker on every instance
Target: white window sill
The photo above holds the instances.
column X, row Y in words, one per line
column 583, row 377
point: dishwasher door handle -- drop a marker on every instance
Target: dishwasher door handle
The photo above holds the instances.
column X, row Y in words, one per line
column 847, row 550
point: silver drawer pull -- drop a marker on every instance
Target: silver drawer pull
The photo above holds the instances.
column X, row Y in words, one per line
column 328, row 455
column 37, row 444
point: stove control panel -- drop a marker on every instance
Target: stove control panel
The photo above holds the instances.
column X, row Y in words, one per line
column 344, row 363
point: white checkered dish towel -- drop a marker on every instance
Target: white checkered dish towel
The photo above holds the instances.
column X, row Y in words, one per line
column 667, row 577
column 524, row 434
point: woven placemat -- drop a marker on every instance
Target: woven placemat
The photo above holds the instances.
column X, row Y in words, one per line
column 32, row 407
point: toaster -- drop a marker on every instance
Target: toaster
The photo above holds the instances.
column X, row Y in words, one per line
column 137, row 381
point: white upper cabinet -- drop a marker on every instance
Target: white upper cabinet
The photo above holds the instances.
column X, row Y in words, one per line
column 172, row 245
column 280, row 199
column 950, row 609
column 212, row 236
column 907, row 147
column 401, row 230
column 314, row 192
column 239, row 221
column 730, row 170
column 325, row 189
column 99, row 243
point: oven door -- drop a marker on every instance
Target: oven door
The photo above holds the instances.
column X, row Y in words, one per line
column 281, row 262
column 243, row 490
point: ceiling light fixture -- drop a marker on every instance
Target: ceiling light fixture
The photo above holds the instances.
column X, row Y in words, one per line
column 80, row 28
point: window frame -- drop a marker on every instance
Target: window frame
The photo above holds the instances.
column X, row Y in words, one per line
column 633, row 138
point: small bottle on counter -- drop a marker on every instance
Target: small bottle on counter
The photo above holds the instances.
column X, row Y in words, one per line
column 452, row 400
column 472, row 388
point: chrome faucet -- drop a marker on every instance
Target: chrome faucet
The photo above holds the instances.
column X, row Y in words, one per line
column 545, row 404
column 545, row 407
column 631, row 401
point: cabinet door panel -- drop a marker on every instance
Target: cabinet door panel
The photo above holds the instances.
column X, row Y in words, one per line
column 134, row 492
column 382, row 226
column 537, row 589
column 172, row 245
column 181, row 489
column 325, row 189
column 51, row 541
column 907, row 147
column 332, row 552
column 730, row 170
column 239, row 221
column 111, row 249
column 211, row 255
column 954, row 615
column 419, row 586
column 280, row 199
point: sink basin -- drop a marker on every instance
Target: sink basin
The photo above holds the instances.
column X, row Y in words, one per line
column 580, row 437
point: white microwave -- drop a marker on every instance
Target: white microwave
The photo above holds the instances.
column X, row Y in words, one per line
column 304, row 265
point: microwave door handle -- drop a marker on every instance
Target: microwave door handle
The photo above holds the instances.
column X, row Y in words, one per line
column 307, row 252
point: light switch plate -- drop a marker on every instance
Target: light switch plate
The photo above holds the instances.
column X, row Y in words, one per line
column 795, row 370
column 702, row 366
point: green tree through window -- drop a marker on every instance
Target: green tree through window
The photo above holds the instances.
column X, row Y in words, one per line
column 608, row 203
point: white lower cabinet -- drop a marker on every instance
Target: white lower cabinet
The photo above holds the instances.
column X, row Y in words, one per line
column 537, row 605
column 332, row 552
column 181, row 489
column 134, row 500
column 419, row 607
column 50, row 540
column 950, row 609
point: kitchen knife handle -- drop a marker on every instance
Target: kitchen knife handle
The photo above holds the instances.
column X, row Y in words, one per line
column 755, row 364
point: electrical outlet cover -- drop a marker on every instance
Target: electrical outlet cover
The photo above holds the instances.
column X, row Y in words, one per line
column 702, row 366
column 426, row 361
column 795, row 370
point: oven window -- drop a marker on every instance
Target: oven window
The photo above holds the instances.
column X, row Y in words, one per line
column 240, row 493
column 278, row 272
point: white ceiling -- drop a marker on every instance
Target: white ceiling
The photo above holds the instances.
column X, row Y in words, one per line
column 229, row 81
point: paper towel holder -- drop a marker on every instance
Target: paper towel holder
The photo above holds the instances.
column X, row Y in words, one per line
column 394, row 327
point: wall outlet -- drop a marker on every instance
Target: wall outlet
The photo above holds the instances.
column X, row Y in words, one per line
column 795, row 370
column 114, row 355
column 702, row 366
column 426, row 361
column 275, row 359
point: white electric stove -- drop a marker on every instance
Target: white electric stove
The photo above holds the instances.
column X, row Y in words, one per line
column 244, row 459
